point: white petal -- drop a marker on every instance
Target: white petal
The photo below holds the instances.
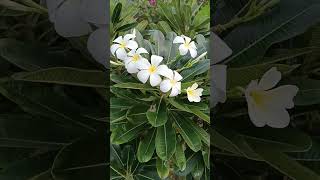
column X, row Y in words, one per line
column 174, row 92
column 143, row 64
column 118, row 40
column 132, row 44
column 121, row 53
column 155, row 80
column 163, row 70
column 68, row 20
column 219, row 48
column 198, row 92
column 142, row 51
column 97, row 45
column 188, row 40
column 131, row 67
column 143, row 76
column 194, row 86
column 183, row 50
column 128, row 37
column 276, row 118
column 132, row 52
column 52, row 6
column 179, row 39
column 114, row 48
column 156, row 60
column 270, row 79
column 94, row 11
column 177, row 76
column 218, row 83
column 282, row 97
column 194, row 98
column 165, row 85
column 255, row 114
column 193, row 52
column 193, row 45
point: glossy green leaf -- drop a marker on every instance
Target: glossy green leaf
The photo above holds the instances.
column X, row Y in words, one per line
column 162, row 169
column 180, row 157
column 157, row 114
column 66, row 76
column 185, row 128
column 147, row 146
column 165, row 141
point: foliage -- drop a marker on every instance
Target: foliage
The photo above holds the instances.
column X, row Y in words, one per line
column 283, row 35
column 53, row 100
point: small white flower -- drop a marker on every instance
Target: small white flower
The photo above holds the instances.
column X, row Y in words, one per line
column 134, row 57
column 153, row 70
column 186, row 45
column 171, row 83
column 268, row 106
column 122, row 45
column 194, row 93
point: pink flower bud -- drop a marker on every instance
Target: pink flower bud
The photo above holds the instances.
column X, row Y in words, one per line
column 153, row 2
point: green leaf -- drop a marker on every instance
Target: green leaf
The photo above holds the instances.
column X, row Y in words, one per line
column 33, row 57
column 65, row 76
column 127, row 133
column 198, row 170
column 199, row 113
column 282, row 24
column 162, row 169
column 19, row 7
column 285, row 164
column 137, row 114
column 196, row 110
column 309, row 91
column 116, row 13
column 201, row 67
column 206, row 156
column 244, row 75
column 70, row 163
column 165, row 141
column 180, row 157
column 147, row 146
column 134, row 86
column 186, row 129
column 157, row 114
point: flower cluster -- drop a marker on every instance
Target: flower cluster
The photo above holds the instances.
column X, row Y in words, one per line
column 125, row 48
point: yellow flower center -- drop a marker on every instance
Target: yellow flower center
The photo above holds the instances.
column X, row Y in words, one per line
column 135, row 57
column 259, row 97
column 187, row 45
column 123, row 45
column 173, row 82
column 152, row 69
column 190, row 92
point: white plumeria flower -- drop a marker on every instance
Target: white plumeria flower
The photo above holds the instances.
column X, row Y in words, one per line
column 153, row 70
column 134, row 57
column 186, row 45
column 122, row 45
column 268, row 106
column 173, row 83
column 194, row 93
